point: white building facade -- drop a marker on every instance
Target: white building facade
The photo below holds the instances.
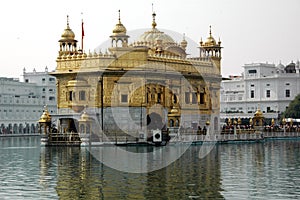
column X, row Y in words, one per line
column 22, row 102
column 263, row 85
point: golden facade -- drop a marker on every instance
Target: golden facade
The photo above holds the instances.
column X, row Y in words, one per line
column 150, row 83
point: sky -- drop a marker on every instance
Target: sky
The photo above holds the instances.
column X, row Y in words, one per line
column 251, row 31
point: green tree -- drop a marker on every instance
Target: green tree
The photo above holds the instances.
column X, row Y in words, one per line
column 293, row 111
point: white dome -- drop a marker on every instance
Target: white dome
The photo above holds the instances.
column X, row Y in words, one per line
column 153, row 35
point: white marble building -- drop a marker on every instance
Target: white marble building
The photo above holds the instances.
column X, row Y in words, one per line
column 22, row 102
column 263, row 85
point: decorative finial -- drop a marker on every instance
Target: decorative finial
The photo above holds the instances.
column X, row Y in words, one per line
column 119, row 16
column 207, row 122
column 153, row 16
column 258, row 109
column 67, row 20
column 210, row 30
column 152, row 8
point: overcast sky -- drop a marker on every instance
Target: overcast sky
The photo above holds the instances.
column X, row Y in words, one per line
column 250, row 30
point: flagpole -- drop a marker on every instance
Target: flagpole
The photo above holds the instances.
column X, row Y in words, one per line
column 82, row 33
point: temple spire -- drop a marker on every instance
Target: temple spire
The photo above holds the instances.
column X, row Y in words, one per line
column 67, row 20
column 153, row 17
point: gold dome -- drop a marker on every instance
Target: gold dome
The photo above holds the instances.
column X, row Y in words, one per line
column 45, row 118
column 119, row 28
column 68, row 34
column 207, row 122
column 174, row 110
column 210, row 41
column 258, row 113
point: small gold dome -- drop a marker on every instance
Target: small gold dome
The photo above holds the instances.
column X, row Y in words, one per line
column 174, row 110
column 273, row 122
column 45, row 118
column 119, row 28
column 68, row 34
column 210, row 41
column 283, row 121
column 207, row 122
column 258, row 113
column 239, row 121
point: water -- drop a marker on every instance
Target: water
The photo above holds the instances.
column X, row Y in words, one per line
column 267, row 170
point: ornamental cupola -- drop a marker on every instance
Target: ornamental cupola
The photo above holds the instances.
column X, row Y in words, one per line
column 67, row 43
column 119, row 37
column 210, row 49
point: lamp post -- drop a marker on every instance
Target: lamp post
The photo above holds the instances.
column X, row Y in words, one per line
column 207, row 123
column 283, row 123
column 272, row 124
column 250, row 123
column 234, row 127
column 239, row 121
column 229, row 125
column 291, row 124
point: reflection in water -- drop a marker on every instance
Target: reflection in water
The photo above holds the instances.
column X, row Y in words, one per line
column 80, row 176
column 267, row 170
column 19, row 170
column 188, row 177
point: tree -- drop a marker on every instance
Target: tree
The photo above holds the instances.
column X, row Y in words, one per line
column 293, row 111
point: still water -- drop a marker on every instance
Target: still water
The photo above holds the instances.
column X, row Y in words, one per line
column 269, row 170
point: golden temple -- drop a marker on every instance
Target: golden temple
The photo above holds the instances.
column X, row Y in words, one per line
column 151, row 83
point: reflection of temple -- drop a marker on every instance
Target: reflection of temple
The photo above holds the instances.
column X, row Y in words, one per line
column 81, row 176
column 147, row 82
column 201, row 179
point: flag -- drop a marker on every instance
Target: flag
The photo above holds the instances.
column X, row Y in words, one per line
column 82, row 30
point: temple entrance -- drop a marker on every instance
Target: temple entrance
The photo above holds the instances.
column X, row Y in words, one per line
column 68, row 125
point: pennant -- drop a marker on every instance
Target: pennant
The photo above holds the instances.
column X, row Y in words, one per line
column 82, row 30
